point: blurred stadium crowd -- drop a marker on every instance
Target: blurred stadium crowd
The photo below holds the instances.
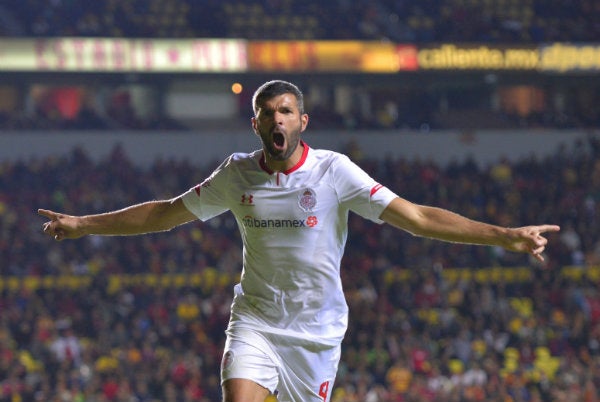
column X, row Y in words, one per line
column 422, row 327
column 400, row 21
column 513, row 22
column 142, row 318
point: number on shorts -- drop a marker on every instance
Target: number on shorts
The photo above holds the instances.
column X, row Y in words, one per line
column 324, row 390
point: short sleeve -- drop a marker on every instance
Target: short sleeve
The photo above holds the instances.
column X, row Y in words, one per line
column 359, row 191
column 208, row 199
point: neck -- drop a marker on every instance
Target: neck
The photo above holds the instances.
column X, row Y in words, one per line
column 284, row 165
column 288, row 165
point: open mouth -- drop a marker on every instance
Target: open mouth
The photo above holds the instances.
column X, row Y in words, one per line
column 278, row 140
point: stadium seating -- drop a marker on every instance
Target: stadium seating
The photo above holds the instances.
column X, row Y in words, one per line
column 143, row 317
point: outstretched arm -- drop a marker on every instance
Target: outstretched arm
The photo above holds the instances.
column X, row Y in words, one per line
column 438, row 223
column 152, row 216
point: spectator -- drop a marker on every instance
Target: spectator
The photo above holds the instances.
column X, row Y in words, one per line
column 132, row 338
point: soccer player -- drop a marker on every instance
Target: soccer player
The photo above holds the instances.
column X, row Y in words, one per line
column 291, row 203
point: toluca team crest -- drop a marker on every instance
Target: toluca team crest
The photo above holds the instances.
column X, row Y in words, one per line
column 307, row 200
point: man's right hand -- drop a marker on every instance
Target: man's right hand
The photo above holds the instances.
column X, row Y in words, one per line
column 61, row 226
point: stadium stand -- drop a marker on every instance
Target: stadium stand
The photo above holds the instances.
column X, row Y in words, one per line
column 420, row 22
column 142, row 319
column 401, row 21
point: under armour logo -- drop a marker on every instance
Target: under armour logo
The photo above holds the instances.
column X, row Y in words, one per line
column 247, row 199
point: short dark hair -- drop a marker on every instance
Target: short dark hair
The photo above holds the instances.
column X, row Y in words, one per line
column 271, row 89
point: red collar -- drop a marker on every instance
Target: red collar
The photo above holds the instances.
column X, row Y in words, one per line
column 297, row 166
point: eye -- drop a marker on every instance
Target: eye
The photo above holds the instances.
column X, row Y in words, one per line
column 265, row 113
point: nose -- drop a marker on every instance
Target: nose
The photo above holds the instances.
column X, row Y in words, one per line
column 278, row 117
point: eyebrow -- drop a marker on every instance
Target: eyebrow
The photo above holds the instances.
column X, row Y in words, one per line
column 285, row 106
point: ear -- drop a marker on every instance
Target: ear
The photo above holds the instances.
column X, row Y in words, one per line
column 253, row 120
column 304, row 121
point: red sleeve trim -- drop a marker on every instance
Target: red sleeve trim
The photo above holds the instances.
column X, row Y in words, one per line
column 375, row 189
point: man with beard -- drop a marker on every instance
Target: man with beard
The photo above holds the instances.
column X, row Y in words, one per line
column 291, row 204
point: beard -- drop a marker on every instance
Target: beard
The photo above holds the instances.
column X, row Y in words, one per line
column 280, row 146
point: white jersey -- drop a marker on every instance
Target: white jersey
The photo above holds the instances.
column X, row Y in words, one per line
column 293, row 226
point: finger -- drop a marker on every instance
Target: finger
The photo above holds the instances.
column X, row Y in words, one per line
column 52, row 230
column 48, row 214
column 537, row 253
column 538, row 250
column 59, row 234
column 540, row 241
column 548, row 228
column 539, row 257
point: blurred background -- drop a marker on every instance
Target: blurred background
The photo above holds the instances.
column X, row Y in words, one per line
column 486, row 108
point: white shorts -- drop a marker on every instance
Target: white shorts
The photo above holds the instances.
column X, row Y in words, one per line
column 294, row 369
